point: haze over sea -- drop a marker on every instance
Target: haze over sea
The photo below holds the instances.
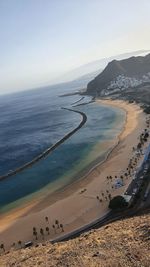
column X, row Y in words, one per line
column 32, row 121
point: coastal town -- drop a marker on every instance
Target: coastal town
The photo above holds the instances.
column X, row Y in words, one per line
column 123, row 82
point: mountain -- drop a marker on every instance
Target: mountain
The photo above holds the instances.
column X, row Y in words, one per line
column 95, row 66
column 124, row 243
column 120, row 75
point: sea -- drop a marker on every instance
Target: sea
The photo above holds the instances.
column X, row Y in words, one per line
column 32, row 121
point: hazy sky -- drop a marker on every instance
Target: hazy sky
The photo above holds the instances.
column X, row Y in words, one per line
column 42, row 39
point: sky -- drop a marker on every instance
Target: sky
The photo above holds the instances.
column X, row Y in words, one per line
column 40, row 40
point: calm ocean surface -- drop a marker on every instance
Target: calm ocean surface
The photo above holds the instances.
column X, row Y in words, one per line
column 32, row 121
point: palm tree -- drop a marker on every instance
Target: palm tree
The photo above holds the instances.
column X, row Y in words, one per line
column 46, row 219
column 110, row 177
column 57, row 223
column 101, row 200
column 62, row 228
column 54, row 228
column 35, row 234
column 97, row 197
column 19, row 243
column 42, row 233
column 34, row 229
column 47, row 230
column 139, row 146
column 2, row 247
column 121, row 177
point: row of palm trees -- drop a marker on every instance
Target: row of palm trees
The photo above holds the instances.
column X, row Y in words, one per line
column 129, row 171
column 19, row 243
column 56, row 226
column 104, row 197
column 42, row 231
column 132, row 162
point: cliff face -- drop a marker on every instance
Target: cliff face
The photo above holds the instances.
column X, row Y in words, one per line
column 134, row 67
column 120, row 244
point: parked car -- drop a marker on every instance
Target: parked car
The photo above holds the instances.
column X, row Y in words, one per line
column 28, row 244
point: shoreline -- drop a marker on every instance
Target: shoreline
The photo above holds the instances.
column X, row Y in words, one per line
column 72, row 196
column 34, row 204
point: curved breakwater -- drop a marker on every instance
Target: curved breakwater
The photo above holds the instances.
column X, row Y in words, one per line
column 50, row 149
column 78, row 100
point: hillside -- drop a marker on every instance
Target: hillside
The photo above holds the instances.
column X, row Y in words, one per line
column 121, row 75
column 120, row 244
column 95, row 66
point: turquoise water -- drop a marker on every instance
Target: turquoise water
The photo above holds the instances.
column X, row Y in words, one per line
column 62, row 166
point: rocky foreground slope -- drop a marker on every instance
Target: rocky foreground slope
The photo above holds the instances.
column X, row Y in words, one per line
column 123, row 243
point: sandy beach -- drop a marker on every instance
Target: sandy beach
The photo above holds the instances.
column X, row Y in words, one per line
column 77, row 204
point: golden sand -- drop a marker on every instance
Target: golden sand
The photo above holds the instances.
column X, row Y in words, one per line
column 77, row 205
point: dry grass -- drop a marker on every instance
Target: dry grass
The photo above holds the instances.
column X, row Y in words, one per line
column 123, row 243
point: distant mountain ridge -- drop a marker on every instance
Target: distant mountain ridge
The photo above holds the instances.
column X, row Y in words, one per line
column 119, row 75
column 94, row 66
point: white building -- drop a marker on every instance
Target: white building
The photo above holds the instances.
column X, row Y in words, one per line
column 123, row 82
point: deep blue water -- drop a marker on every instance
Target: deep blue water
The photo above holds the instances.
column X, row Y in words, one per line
column 32, row 121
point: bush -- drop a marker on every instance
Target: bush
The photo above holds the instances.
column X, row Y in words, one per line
column 118, row 202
